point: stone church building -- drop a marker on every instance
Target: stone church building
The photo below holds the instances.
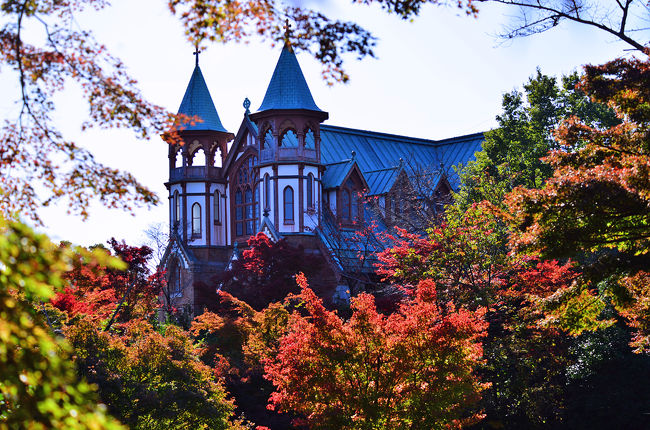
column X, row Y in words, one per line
column 288, row 173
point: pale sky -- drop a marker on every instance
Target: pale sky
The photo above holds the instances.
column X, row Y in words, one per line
column 440, row 76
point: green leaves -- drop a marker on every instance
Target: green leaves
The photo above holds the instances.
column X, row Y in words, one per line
column 38, row 385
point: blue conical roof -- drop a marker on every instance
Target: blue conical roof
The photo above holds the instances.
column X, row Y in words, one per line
column 288, row 88
column 198, row 102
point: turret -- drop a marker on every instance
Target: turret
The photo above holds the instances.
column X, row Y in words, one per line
column 289, row 149
column 196, row 184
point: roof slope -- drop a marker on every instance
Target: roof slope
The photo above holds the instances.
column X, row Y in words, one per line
column 197, row 102
column 288, row 88
column 381, row 151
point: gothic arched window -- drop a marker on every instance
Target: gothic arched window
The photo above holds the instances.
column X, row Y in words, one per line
column 310, row 140
column 246, row 198
column 217, row 206
column 289, row 139
column 196, row 220
column 288, row 204
column 350, row 205
column 175, row 289
column 177, row 206
column 199, row 158
column 268, row 140
column 310, row 191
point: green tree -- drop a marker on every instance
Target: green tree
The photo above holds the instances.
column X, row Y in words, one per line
column 38, row 385
column 512, row 153
column 151, row 380
column 596, row 206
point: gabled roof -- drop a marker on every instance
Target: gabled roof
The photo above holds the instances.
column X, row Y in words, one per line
column 267, row 227
column 381, row 181
column 288, row 88
column 197, row 102
column 246, row 125
column 336, row 173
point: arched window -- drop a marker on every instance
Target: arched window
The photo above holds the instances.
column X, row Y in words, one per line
column 310, row 191
column 344, row 210
column 267, row 191
column 310, row 140
column 178, row 158
column 175, row 289
column 217, row 206
column 289, row 139
column 288, row 204
column 196, row 220
column 268, row 140
column 246, row 198
column 198, row 158
column 216, row 160
column 177, row 207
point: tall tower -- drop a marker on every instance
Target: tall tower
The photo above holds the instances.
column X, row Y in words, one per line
column 288, row 142
column 197, row 191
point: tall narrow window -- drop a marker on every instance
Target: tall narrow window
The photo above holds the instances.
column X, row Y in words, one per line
column 177, row 206
column 267, row 191
column 196, row 220
column 175, row 289
column 217, row 206
column 310, row 140
column 345, row 205
column 354, row 206
column 310, row 191
column 288, row 204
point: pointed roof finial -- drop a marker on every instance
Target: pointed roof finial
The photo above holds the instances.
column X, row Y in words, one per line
column 287, row 32
column 288, row 88
column 247, row 105
column 196, row 52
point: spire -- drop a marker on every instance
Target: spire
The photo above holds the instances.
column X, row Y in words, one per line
column 198, row 102
column 288, row 88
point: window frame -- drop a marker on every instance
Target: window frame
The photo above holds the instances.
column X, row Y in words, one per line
column 216, row 207
column 197, row 221
column 246, row 180
column 288, row 203
column 177, row 207
column 310, row 191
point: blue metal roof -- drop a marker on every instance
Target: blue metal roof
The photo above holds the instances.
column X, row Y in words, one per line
column 351, row 251
column 381, row 151
column 335, row 173
column 197, row 102
column 381, row 181
column 288, row 88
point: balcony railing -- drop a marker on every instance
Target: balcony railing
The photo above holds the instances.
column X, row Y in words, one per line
column 194, row 172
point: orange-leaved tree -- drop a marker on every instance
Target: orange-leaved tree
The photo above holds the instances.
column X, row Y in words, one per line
column 414, row 368
column 596, row 206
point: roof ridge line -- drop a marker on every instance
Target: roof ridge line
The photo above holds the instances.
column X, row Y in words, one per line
column 409, row 139
column 382, row 169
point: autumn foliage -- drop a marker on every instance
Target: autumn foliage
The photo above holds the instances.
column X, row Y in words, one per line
column 415, row 366
column 98, row 291
column 265, row 271
column 596, row 206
